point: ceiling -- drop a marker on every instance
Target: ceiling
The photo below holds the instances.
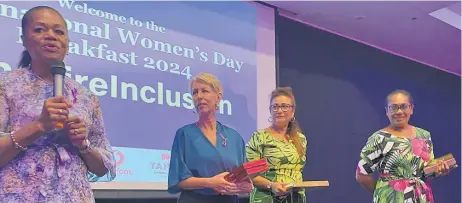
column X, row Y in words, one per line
column 427, row 32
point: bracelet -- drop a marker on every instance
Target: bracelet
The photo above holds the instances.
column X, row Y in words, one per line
column 269, row 185
column 16, row 144
column 85, row 150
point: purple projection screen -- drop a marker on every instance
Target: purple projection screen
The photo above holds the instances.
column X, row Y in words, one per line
column 138, row 58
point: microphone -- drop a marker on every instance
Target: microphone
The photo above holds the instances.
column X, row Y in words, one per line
column 58, row 70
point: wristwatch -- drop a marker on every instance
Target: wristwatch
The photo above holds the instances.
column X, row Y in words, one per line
column 86, row 148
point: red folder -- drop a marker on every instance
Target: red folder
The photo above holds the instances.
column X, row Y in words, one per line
column 247, row 170
column 430, row 170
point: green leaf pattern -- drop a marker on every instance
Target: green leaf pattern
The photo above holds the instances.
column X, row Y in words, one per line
column 284, row 162
column 401, row 170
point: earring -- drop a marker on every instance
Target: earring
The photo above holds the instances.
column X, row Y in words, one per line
column 293, row 119
column 270, row 119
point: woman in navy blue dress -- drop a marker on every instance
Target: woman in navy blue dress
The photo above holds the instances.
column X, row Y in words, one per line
column 205, row 151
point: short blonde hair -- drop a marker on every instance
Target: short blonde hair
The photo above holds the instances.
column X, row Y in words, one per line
column 209, row 80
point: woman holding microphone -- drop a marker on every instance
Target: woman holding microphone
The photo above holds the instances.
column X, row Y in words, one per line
column 37, row 162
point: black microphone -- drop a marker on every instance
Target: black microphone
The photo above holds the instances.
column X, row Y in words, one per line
column 58, row 70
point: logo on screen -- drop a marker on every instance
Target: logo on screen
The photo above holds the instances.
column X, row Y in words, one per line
column 161, row 166
column 165, row 157
column 119, row 157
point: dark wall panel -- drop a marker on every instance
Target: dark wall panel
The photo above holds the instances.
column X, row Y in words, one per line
column 341, row 85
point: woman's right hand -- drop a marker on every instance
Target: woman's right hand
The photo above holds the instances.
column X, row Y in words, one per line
column 222, row 186
column 54, row 110
column 278, row 188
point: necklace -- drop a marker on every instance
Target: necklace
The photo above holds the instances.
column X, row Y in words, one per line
column 225, row 140
column 38, row 75
column 284, row 137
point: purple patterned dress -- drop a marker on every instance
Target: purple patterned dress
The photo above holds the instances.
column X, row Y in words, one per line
column 50, row 170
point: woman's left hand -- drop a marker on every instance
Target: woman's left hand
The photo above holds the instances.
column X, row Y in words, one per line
column 245, row 186
column 442, row 168
column 77, row 131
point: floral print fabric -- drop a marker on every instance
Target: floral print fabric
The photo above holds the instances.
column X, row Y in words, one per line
column 400, row 162
column 51, row 169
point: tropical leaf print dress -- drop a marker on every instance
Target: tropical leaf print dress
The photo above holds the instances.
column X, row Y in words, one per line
column 400, row 162
column 285, row 164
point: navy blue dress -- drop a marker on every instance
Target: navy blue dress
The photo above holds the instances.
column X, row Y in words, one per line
column 193, row 155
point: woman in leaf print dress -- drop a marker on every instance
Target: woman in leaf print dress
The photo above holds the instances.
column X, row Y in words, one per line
column 399, row 152
column 283, row 146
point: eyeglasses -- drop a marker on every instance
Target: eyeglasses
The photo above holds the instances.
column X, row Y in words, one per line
column 283, row 107
column 396, row 107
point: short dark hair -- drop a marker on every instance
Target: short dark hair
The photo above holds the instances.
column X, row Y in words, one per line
column 25, row 56
column 399, row 91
